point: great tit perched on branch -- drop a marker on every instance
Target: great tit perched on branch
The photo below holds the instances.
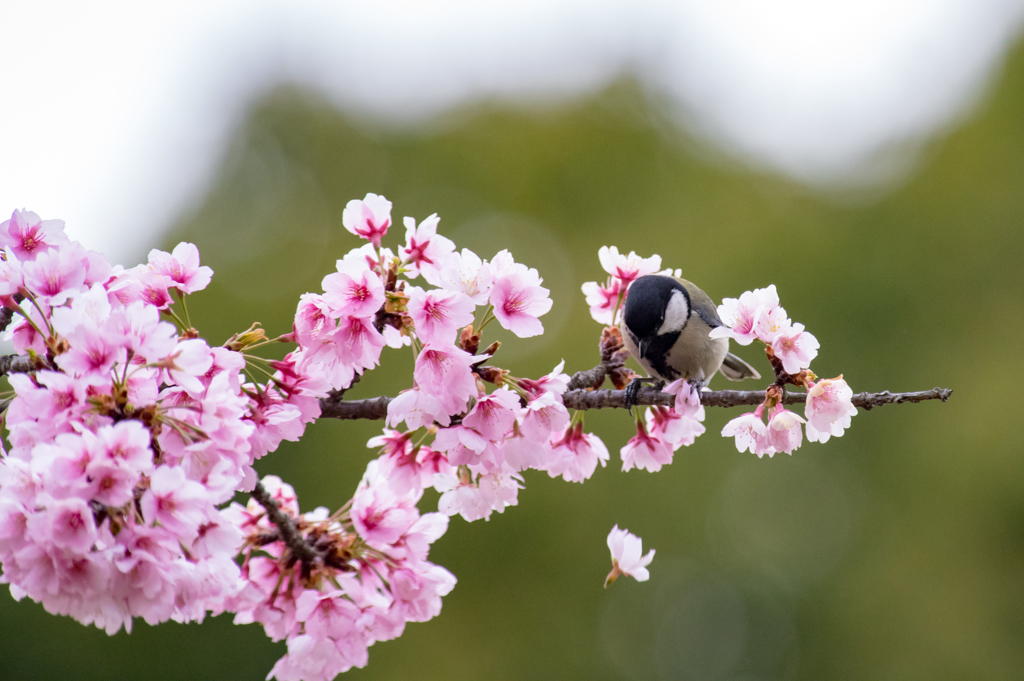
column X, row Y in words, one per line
column 665, row 326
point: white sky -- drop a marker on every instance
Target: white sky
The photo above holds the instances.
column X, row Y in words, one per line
column 116, row 115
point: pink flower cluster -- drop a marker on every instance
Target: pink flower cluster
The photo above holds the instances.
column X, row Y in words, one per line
column 665, row 429
column 476, row 464
column 606, row 300
column 482, row 440
column 371, row 575
column 122, row 444
column 758, row 315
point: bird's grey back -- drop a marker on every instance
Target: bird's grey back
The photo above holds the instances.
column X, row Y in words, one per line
column 701, row 304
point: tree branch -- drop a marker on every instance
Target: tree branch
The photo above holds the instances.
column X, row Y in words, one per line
column 295, row 542
column 377, row 408
column 20, row 364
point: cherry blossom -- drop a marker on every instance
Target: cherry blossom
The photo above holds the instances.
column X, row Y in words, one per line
column 829, row 408
column 437, row 314
column 750, row 432
column 369, row 218
column 493, row 415
column 795, row 348
column 445, row 374
column 417, row 409
column 426, row 253
column 542, row 416
column 627, row 556
column 353, row 291
column 25, row 235
column 742, row 315
column 468, row 274
column 784, row 430
column 518, row 301
column 603, row 300
column 646, row 451
column 182, row 267
column 575, row 454
column 627, row 268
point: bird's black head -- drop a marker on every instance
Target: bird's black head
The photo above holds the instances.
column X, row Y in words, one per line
column 655, row 306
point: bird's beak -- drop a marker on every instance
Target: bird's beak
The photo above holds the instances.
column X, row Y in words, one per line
column 644, row 344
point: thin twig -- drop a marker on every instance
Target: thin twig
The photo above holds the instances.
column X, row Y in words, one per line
column 377, row 408
column 286, row 526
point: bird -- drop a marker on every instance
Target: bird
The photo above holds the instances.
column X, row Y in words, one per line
column 665, row 325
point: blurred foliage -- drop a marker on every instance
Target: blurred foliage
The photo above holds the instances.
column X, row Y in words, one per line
column 896, row 551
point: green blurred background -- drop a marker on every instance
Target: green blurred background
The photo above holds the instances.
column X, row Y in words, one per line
column 894, row 552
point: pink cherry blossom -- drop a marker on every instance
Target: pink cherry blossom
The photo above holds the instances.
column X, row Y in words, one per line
column 627, row 268
column 556, row 383
column 417, row 409
column 127, row 444
column 771, row 323
column 542, row 416
column 603, row 300
column 521, row 454
column 26, row 235
column 462, row 446
column 356, row 292
column 178, row 504
column 12, row 279
column 144, row 284
column 358, row 342
column 575, row 454
column 518, row 301
column 469, row 275
column 380, row 516
column 93, row 353
column 313, row 320
column 462, row 496
column 56, row 275
column 742, row 315
column 72, row 525
column 407, row 468
column 426, row 253
column 829, row 408
column 646, row 451
column 444, row 373
column 438, row 314
column 189, row 360
column 750, row 432
column 784, row 430
column 493, row 415
column 369, row 218
column 627, row 556
column 673, row 428
column 182, row 267
column 796, row 348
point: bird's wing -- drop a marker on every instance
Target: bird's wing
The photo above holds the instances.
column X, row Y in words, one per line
column 702, row 305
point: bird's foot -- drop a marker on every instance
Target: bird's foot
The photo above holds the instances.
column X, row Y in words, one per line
column 633, row 389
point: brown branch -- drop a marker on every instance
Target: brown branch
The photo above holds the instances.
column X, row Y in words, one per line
column 295, row 542
column 20, row 364
column 377, row 408
column 592, row 378
column 374, row 409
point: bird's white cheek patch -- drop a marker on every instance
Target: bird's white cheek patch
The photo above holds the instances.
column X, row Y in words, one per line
column 676, row 314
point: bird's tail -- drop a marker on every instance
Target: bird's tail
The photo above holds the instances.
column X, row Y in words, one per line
column 735, row 369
